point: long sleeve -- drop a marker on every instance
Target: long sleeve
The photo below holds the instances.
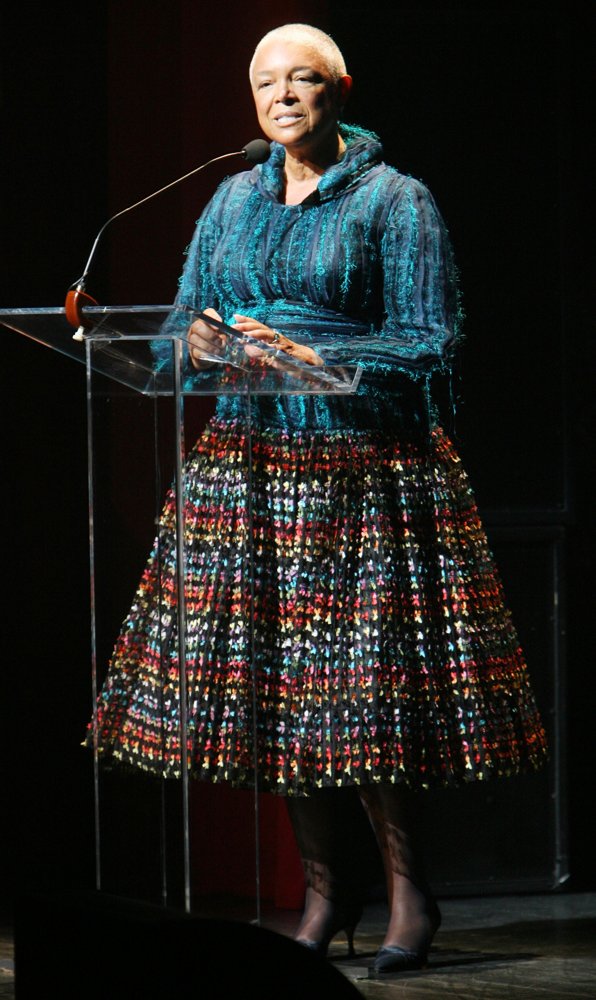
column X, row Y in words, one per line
column 196, row 288
column 421, row 303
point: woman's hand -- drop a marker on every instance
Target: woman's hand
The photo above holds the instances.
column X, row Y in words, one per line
column 244, row 324
column 204, row 338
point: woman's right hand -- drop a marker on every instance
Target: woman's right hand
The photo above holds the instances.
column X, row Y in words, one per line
column 203, row 338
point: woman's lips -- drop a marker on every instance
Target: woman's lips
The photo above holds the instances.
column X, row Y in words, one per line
column 287, row 119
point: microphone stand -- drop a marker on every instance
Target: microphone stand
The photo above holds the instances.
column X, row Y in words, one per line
column 77, row 298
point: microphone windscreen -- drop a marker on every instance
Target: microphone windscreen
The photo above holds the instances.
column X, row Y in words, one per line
column 257, row 151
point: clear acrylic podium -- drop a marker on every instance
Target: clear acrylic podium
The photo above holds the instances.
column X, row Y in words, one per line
column 133, row 397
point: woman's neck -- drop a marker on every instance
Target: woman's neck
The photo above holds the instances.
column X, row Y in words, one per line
column 304, row 168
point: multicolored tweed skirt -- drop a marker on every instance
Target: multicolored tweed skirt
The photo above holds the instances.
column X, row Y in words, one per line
column 345, row 623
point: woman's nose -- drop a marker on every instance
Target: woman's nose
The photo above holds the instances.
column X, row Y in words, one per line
column 284, row 92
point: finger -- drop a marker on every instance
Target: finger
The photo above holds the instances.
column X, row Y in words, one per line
column 265, row 335
column 246, row 319
column 250, row 325
column 246, row 324
column 202, row 324
column 201, row 329
column 253, row 352
column 204, row 341
column 268, row 336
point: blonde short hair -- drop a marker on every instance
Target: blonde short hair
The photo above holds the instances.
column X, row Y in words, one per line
column 315, row 38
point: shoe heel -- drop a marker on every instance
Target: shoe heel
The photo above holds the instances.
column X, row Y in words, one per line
column 346, row 921
column 350, row 931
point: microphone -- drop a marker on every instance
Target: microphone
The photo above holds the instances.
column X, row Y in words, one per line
column 256, row 151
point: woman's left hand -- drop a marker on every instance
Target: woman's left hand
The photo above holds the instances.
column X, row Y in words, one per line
column 245, row 324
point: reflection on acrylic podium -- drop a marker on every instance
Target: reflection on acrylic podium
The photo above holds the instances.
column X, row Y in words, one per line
column 143, row 405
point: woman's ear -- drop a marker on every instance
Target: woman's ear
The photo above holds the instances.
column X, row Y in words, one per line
column 344, row 86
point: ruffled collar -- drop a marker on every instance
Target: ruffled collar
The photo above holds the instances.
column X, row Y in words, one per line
column 363, row 152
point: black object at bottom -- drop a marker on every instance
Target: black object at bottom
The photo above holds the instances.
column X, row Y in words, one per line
column 102, row 946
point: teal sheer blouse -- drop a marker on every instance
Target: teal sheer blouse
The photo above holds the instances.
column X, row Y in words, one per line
column 362, row 270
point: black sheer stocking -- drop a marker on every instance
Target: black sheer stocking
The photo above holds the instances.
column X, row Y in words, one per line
column 413, row 914
column 333, row 873
column 333, row 887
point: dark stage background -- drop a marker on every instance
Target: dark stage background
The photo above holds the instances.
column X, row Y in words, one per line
column 106, row 102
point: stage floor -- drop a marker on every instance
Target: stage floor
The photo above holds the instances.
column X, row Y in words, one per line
column 536, row 947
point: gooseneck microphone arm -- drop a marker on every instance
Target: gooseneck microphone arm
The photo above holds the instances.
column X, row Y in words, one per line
column 256, row 151
column 80, row 283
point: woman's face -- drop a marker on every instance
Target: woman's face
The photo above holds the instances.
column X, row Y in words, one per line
column 296, row 97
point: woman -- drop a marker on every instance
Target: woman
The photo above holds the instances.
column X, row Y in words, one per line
column 384, row 655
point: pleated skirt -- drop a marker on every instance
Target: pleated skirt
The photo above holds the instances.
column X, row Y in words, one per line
column 345, row 623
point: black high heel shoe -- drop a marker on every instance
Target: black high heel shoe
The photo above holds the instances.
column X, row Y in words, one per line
column 394, row 958
column 346, row 918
